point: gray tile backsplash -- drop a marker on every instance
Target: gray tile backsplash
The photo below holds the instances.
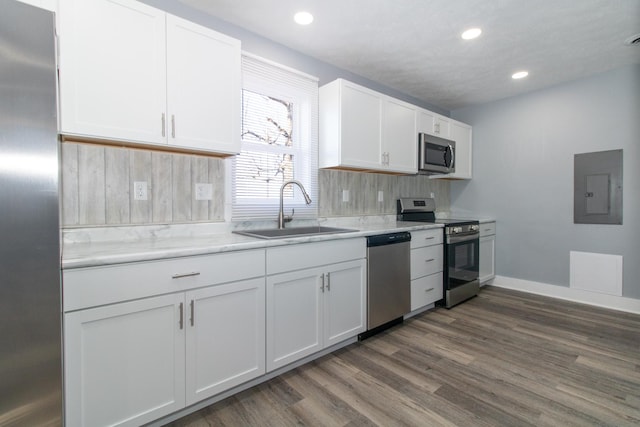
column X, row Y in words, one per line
column 97, row 188
column 363, row 191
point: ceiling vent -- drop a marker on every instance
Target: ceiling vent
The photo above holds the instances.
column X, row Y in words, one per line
column 633, row 40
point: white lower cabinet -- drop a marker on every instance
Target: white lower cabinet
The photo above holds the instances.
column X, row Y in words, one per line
column 144, row 340
column 129, row 363
column 294, row 316
column 225, row 337
column 426, row 267
column 314, row 306
column 487, row 252
column 312, row 309
column 124, row 363
column 426, row 290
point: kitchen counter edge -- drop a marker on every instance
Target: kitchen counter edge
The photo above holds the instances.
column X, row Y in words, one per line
column 83, row 255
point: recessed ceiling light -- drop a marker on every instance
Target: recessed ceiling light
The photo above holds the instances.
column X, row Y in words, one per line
column 519, row 75
column 303, row 18
column 471, row 33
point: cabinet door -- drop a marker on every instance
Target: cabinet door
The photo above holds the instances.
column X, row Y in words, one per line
column 426, row 260
column 399, row 136
column 441, row 127
column 124, row 363
column 461, row 134
column 225, row 337
column 432, row 123
column 360, row 123
column 426, row 290
column 344, row 301
column 487, row 258
column 112, row 70
column 203, row 87
column 294, row 311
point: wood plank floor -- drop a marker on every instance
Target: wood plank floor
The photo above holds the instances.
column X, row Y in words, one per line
column 504, row 358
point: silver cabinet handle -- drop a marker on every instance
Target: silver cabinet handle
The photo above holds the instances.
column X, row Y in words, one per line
column 487, row 229
column 328, row 281
column 322, row 282
column 192, row 319
column 173, row 126
column 429, row 290
column 163, row 126
column 429, row 260
column 429, row 238
column 181, row 316
column 180, row 276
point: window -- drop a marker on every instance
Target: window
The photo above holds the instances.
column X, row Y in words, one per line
column 279, row 142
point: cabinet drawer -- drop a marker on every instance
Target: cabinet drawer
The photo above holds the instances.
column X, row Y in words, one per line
column 487, row 229
column 423, row 238
column 425, row 261
column 89, row 287
column 307, row 255
column 426, row 290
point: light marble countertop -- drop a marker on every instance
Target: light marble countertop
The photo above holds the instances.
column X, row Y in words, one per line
column 90, row 247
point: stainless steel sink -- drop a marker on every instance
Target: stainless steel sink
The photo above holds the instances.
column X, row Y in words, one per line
column 274, row 233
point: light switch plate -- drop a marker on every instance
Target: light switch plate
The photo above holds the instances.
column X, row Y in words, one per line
column 380, row 196
column 345, row 195
column 140, row 190
column 204, row 191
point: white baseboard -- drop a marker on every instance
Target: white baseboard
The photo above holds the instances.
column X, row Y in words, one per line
column 629, row 305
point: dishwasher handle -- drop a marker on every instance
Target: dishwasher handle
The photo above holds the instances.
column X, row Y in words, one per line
column 388, row 239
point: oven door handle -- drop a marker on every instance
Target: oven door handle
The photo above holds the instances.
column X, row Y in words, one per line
column 463, row 238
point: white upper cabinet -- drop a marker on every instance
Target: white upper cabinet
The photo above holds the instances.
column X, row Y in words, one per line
column 203, row 87
column 433, row 124
column 399, row 136
column 461, row 134
column 349, row 126
column 364, row 129
column 51, row 5
column 132, row 73
column 112, row 70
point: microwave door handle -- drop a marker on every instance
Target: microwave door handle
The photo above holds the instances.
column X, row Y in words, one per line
column 452, row 156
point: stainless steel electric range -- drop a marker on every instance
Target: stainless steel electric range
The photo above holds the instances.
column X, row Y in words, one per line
column 461, row 248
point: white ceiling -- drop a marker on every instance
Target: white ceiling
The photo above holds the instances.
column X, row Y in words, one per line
column 414, row 46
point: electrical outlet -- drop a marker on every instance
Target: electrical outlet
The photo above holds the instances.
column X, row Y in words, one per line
column 140, row 190
column 432, row 195
column 204, row 191
column 345, row 195
column 380, row 196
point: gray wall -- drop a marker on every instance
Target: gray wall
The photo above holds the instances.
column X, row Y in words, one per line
column 261, row 46
column 523, row 150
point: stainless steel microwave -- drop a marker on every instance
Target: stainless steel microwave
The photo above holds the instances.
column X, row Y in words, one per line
column 435, row 154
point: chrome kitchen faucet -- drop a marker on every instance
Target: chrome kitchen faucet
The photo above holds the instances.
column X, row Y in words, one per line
column 282, row 219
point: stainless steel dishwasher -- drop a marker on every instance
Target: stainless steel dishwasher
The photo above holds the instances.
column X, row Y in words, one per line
column 388, row 281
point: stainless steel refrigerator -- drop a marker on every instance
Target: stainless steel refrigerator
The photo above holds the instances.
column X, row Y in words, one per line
column 30, row 289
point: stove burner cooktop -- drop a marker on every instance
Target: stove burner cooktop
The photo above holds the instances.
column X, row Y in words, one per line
column 423, row 210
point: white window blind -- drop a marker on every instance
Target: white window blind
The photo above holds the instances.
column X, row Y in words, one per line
column 279, row 142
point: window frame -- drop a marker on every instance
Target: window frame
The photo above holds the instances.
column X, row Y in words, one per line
column 268, row 78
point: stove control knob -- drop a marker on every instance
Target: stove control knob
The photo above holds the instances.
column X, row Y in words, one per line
column 456, row 230
column 475, row 228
